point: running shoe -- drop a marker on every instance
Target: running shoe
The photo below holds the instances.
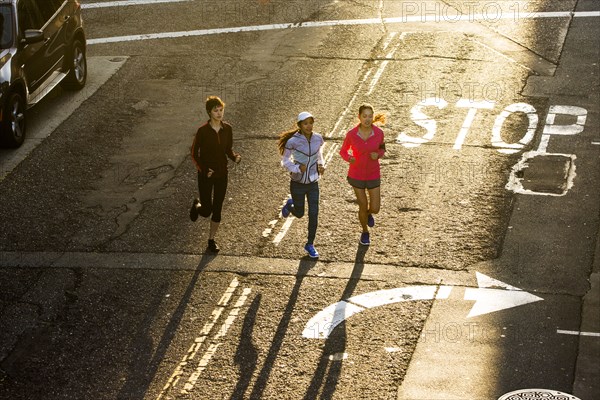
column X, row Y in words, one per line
column 212, row 246
column 364, row 239
column 312, row 252
column 285, row 211
column 370, row 221
column 194, row 210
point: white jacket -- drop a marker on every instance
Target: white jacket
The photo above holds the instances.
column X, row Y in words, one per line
column 299, row 150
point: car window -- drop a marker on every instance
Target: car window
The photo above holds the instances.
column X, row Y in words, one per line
column 6, row 26
column 30, row 16
column 48, row 7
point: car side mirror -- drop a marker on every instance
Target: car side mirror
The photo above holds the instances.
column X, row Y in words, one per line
column 32, row 36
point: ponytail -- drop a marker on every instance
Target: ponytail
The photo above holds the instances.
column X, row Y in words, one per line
column 283, row 139
column 379, row 118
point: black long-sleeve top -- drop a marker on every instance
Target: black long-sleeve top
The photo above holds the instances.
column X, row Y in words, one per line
column 211, row 149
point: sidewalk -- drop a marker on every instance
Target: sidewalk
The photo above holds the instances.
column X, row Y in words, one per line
column 577, row 78
column 587, row 372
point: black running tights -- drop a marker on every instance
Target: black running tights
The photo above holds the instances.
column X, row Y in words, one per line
column 212, row 194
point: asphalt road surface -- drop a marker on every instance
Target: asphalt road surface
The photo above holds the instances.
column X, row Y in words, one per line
column 482, row 275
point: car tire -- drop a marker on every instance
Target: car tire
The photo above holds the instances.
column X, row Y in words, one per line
column 77, row 75
column 13, row 121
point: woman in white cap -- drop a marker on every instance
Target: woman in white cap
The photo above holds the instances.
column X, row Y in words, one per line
column 302, row 156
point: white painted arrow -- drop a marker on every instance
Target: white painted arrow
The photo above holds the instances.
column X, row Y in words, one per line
column 489, row 299
column 491, row 295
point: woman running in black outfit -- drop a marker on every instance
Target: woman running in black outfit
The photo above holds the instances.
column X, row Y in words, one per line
column 212, row 145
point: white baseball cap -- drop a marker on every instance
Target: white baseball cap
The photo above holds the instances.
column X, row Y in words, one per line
column 304, row 115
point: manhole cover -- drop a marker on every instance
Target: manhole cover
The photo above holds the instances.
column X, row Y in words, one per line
column 537, row 394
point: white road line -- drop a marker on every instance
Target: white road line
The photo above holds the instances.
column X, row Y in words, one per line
column 125, row 3
column 363, row 81
column 377, row 76
column 347, row 22
column 329, row 156
column 350, row 104
column 578, row 333
column 389, row 39
column 191, row 354
column 384, row 64
column 393, row 349
column 284, row 230
column 189, row 385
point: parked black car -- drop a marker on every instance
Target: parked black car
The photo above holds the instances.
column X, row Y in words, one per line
column 42, row 44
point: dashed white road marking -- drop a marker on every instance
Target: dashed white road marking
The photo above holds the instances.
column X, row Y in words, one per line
column 578, row 333
column 284, row 230
column 329, row 156
column 389, row 39
column 204, row 333
column 189, row 385
column 336, row 126
column 393, row 349
column 338, row 356
column 384, row 63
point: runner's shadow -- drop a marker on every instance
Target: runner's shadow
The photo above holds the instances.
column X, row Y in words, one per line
column 328, row 371
column 261, row 382
column 147, row 357
column 246, row 355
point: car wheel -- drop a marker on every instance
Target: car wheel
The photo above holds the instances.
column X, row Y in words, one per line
column 77, row 76
column 13, row 121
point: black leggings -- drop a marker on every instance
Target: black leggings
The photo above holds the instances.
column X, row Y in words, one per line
column 211, row 203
